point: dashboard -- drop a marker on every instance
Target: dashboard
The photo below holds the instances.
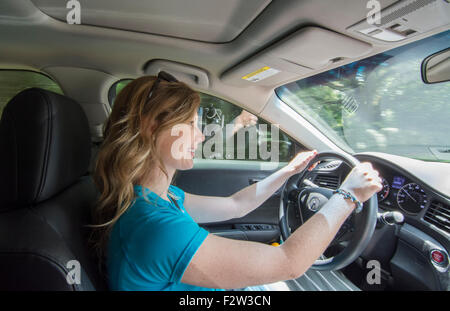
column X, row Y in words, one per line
column 405, row 191
column 419, row 190
column 415, row 253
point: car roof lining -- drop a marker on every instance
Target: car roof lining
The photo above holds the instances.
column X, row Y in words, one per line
column 38, row 41
column 214, row 21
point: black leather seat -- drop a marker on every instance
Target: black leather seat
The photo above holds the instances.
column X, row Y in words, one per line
column 45, row 195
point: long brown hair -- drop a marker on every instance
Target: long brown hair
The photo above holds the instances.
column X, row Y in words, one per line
column 127, row 154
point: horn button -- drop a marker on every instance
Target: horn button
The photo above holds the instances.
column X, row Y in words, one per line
column 316, row 201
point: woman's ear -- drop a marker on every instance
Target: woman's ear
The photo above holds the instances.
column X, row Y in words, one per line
column 152, row 126
column 149, row 126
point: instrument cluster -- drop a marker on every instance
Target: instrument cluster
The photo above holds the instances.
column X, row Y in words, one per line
column 399, row 192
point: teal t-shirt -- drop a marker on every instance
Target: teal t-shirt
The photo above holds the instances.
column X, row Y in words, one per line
column 152, row 243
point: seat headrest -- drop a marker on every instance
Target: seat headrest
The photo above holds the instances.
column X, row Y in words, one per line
column 44, row 147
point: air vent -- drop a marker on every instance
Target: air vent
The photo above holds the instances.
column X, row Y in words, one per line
column 438, row 214
column 328, row 165
column 327, row 181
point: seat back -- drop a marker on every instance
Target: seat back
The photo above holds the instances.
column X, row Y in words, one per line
column 46, row 196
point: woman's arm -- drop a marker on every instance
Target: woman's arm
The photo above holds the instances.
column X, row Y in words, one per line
column 225, row 263
column 204, row 209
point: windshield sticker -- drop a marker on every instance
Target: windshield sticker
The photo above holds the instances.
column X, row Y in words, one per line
column 349, row 104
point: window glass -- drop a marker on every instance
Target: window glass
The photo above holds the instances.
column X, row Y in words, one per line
column 13, row 82
column 115, row 89
column 232, row 133
column 380, row 103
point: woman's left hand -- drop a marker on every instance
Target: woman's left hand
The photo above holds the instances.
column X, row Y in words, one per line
column 300, row 161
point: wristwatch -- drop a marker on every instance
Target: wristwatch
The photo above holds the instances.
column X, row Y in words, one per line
column 348, row 195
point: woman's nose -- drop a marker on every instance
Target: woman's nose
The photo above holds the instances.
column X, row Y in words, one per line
column 202, row 137
column 199, row 137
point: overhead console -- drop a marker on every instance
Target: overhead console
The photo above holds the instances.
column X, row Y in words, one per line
column 403, row 20
column 306, row 50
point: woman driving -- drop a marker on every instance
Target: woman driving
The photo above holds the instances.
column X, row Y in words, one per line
column 148, row 230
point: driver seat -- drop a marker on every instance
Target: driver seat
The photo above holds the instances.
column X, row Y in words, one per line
column 45, row 195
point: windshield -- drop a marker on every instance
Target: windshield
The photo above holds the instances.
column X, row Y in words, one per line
column 380, row 103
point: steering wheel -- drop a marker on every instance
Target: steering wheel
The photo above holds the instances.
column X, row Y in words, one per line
column 365, row 221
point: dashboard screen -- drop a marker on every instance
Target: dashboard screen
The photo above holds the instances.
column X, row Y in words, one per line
column 398, row 182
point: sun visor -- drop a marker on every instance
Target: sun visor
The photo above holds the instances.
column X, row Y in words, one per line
column 308, row 49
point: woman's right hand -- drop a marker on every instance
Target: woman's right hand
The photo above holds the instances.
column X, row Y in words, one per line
column 362, row 181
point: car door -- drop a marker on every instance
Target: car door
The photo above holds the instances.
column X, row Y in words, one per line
column 233, row 157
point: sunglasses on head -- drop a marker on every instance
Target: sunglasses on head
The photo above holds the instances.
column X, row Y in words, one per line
column 162, row 75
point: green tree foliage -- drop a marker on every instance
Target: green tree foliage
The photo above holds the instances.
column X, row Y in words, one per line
column 380, row 103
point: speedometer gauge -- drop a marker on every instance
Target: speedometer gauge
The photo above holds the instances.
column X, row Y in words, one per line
column 383, row 194
column 412, row 198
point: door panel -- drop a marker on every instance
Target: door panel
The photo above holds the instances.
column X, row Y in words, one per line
column 213, row 179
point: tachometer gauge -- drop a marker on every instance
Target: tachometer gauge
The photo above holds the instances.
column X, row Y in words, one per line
column 383, row 194
column 412, row 198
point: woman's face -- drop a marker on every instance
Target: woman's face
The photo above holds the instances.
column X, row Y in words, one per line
column 176, row 146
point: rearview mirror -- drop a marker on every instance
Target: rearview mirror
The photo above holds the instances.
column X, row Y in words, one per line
column 436, row 67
